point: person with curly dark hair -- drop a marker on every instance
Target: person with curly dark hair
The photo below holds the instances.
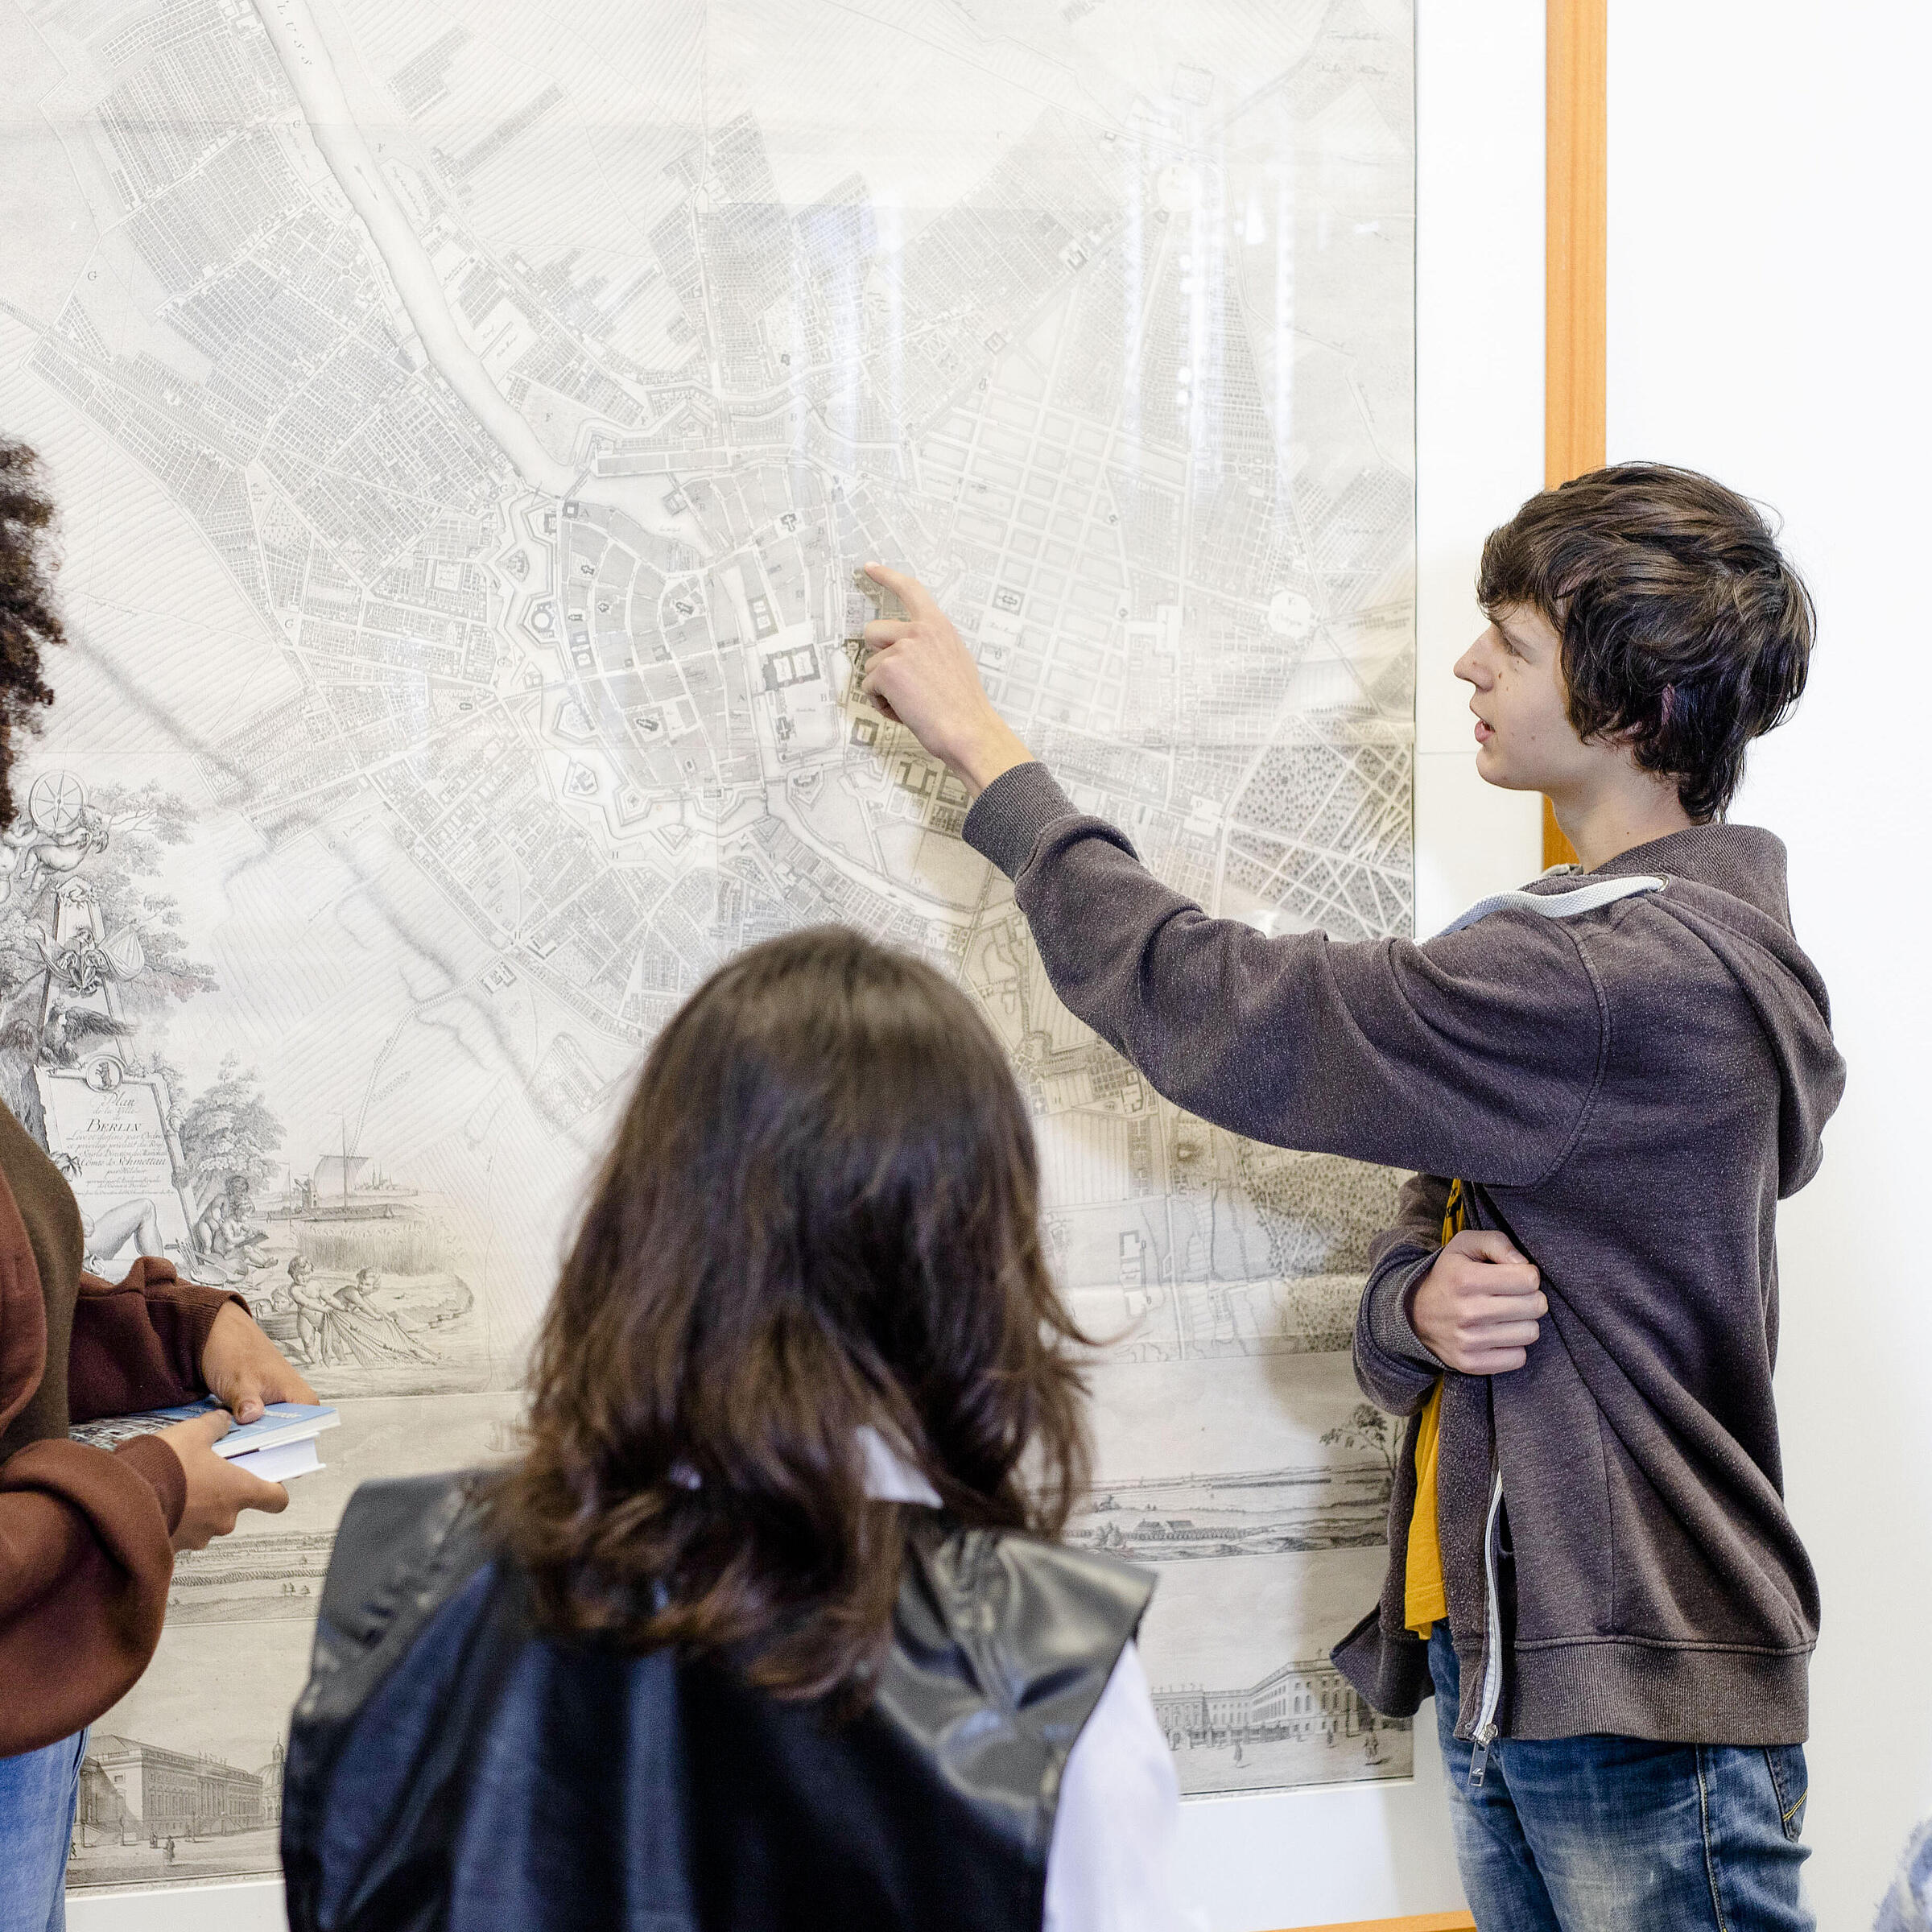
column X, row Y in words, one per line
column 1607, row 1081
column 29, row 622
column 88, row 1536
column 771, row 1627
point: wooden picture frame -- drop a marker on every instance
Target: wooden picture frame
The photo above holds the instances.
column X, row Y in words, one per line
column 1575, row 259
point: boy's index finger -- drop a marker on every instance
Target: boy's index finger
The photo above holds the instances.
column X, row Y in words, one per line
column 885, row 603
column 918, row 599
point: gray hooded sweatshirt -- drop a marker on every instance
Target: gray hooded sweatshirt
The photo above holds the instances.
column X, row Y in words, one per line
column 1627, row 1091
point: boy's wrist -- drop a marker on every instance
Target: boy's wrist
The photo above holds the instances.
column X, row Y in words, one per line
column 991, row 750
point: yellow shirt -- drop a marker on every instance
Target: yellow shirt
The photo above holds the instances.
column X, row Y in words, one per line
column 1425, row 1597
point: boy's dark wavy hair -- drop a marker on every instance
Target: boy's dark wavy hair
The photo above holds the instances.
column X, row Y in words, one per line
column 821, row 1215
column 28, row 620
column 1685, row 631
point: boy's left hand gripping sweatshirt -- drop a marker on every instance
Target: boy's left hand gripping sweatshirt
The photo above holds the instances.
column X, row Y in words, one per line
column 1628, row 1092
column 84, row 1534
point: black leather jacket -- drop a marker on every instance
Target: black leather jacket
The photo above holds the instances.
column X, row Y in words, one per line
column 452, row 1769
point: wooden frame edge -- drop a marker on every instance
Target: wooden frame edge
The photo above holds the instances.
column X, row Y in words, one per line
column 1575, row 264
column 1433, row 1922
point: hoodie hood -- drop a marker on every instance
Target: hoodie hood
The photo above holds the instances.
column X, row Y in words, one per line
column 1727, row 884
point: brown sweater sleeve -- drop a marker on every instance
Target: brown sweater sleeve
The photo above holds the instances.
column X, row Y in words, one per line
column 137, row 1343
column 84, row 1565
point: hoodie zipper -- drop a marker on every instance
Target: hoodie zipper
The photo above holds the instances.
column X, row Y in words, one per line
column 1485, row 1734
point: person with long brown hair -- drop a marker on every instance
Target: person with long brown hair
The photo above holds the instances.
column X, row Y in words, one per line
column 87, row 1537
column 769, row 1627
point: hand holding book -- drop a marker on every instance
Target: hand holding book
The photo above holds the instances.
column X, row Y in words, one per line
column 230, row 1466
column 245, row 1369
column 218, row 1489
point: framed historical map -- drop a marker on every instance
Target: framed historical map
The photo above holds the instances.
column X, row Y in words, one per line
column 468, row 417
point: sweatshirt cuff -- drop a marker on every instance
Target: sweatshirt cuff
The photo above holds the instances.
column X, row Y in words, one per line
column 1008, row 816
column 181, row 1313
column 160, row 1467
column 126, row 1495
column 199, row 1308
column 1390, row 1327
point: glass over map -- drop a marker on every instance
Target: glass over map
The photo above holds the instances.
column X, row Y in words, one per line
column 468, row 420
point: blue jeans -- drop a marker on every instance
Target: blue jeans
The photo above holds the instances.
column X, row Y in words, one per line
column 1612, row 1834
column 37, row 1793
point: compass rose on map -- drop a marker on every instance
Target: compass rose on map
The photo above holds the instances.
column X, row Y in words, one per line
column 56, row 802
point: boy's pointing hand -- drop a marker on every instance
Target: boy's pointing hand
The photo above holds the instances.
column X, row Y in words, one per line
column 920, row 673
column 1477, row 1308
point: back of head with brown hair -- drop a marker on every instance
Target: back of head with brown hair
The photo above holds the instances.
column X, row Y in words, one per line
column 1686, row 632
column 821, row 1214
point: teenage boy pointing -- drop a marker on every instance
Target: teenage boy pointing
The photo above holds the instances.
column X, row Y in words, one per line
column 1604, row 1083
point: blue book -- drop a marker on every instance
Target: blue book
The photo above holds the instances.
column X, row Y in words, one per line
column 280, row 1445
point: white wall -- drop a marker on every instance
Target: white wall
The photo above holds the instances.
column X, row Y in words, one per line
column 1479, row 410
column 1268, row 1861
column 1769, row 186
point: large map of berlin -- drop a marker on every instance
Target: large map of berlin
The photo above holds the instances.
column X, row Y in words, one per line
column 468, row 419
